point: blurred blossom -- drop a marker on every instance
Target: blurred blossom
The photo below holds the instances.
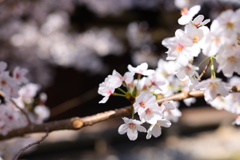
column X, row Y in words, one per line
column 52, row 42
column 187, row 3
column 113, row 7
column 145, row 54
column 137, row 34
column 104, row 42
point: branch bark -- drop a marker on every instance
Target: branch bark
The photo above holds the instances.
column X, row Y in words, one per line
column 76, row 123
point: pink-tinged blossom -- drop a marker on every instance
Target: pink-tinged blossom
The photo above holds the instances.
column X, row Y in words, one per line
column 180, row 48
column 150, row 114
column 140, row 69
column 114, row 80
column 198, row 21
column 105, row 90
column 229, row 23
column 212, row 40
column 172, row 115
column 212, row 87
column 7, row 84
column 19, row 74
column 229, row 61
column 156, row 130
column 188, row 14
column 28, row 92
column 171, row 112
column 157, row 81
column 109, row 85
column 184, row 72
column 128, row 78
column 143, row 101
column 131, row 127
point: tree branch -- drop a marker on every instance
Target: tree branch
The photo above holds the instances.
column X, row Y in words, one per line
column 77, row 123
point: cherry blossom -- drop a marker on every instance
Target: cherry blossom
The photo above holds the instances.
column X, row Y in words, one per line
column 155, row 129
column 229, row 61
column 19, row 75
column 198, row 21
column 105, row 90
column 183, row 72
column 212, row 87
column 187, row 14
column 140, row 69
column 131, row 127
column 180, row 48
column 229, row 23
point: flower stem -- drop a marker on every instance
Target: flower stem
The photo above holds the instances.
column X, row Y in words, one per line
column 117, row 94
column 121, row 90
column 203, row 61
column 213, row 74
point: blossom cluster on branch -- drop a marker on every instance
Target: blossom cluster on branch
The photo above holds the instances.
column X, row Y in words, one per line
column 153, row 94
column 219, row 44
column 21, row 104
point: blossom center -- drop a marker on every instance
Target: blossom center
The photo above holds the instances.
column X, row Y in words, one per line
column 3, row 82
column 179, row 48
column 195, row 39
column 213, row 84
column 109, row 92
column 230, row 25
column 148, row 111
column 132, row 126
column 18, row 76
column 217, row 40
column 142, row 104
column 232, row 59
column 184, row 11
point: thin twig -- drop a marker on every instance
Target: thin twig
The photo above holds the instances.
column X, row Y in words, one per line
column 74, row 102
column 30, row 145
column 205, row 70
column 23, row 111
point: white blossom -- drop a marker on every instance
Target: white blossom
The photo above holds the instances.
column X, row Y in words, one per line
column 131, row 127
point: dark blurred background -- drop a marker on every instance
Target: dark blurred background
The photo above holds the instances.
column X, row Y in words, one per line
column 70, row 46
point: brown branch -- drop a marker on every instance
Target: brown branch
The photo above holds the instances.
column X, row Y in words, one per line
column 23, row 112
column 30, row 145
column 205, row 70
column 77, row 123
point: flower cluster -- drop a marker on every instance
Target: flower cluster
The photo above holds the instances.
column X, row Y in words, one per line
column 219, row 43
column 19, row 96
column 143, row 92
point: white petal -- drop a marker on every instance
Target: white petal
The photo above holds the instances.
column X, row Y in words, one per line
column 141, row 128
column 104, row 100
column 132, row 134
column 123, row 129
